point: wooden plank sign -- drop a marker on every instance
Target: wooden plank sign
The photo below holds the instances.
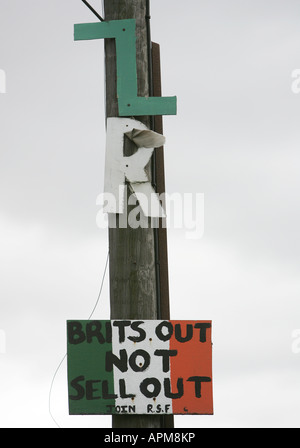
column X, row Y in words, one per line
column 139, row 367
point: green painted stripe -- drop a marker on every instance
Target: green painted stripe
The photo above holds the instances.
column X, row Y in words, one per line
column 90, row 385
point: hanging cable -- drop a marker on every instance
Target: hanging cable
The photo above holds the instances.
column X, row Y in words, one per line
column 101, row 287
column 50, row 392
column 61, row 362
column 93, row 10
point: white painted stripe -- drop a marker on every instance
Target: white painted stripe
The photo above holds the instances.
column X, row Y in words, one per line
column 161, row 404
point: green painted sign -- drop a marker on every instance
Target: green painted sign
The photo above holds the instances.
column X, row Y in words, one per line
column 124, row 32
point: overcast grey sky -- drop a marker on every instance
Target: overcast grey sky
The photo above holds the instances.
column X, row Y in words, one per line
column 236, row 139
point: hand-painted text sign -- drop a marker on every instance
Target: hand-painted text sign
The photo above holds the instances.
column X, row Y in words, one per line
column 139, row 367
column 124, row 32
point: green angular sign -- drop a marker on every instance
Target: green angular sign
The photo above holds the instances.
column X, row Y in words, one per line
column 124, row 32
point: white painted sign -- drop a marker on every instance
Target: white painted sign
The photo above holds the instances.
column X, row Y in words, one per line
column 119, row 169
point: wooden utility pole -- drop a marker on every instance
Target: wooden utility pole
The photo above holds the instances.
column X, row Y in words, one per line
column 139, row 289
column 136, row 281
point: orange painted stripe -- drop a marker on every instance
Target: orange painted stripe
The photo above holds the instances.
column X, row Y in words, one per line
column 193, row 364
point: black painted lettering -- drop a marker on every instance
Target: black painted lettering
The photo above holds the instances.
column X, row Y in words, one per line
column 93, row 330
column 165, row 354
column 79, row 389
column 149, row 408
column 178, row 333
column 203, row 327
column 136, row 327
column 90, row 391
column 121, row 324
column 150, row 383
column 142, row 366
column 109, row 408
column 198, row 380
column 158, row 409
column 164, row 335
column 75, row 333
column 108, row 332
column 120, row 362
column 169, row 393
column 106, row 395
column 123, row 393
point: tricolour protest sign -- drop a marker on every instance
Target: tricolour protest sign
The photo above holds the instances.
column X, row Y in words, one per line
column 139, row 367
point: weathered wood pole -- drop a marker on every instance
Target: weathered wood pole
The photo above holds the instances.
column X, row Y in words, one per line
column 161, row 232
column 133, row 273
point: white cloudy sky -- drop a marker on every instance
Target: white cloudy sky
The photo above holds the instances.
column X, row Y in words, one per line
column 236, row 139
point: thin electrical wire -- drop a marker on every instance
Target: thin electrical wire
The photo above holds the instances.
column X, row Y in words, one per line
column 50, row 391
column 61, row 362
column 101, row 287
column 93, row 10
